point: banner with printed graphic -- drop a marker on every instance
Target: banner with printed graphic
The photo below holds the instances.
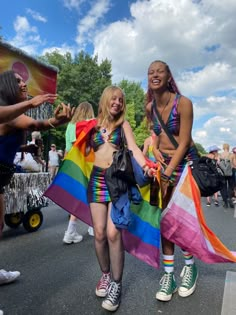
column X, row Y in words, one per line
column 39, row 77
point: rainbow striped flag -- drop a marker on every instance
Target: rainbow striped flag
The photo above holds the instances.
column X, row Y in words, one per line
column 69, row 191
column 184, row 224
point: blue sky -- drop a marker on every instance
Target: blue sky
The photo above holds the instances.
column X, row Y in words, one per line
column 196, row 39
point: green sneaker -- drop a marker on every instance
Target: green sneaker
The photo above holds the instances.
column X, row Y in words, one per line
column 168, row 287
column 189, row 277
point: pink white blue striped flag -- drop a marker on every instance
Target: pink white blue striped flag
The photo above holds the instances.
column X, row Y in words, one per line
column 184, row 224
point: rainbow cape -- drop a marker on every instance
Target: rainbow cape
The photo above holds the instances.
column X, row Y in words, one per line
column 69, row 191
column 184, row 224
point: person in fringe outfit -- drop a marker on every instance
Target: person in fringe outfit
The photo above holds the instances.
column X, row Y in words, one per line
column 176, row 111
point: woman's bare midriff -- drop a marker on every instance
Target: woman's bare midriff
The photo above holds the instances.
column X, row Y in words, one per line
column 104, row 155
column 167, row 147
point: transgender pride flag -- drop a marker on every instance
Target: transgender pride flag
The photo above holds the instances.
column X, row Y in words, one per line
column 69, row 191
column 184, row 224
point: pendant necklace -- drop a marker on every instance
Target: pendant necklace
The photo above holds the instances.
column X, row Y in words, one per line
column 105, row 134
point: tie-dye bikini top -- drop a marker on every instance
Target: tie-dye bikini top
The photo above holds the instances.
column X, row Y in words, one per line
column 173, row 121
column 100, row 137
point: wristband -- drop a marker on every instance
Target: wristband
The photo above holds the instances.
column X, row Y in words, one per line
column 170, row 167
column 50, row 124
column 164, row 177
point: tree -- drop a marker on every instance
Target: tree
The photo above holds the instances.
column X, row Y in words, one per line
column 142, row 132
column 130, row 115
column 134, row 93
column 200, row 148
column 79, row 79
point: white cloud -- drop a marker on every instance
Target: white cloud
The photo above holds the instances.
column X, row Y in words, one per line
column 87, row 25
column 214, row 77
column 22, row 25
column 27, row 37
column 36, row 16
column 73, row 4
column 197, row 41
column 217, row 130
column 63, row 49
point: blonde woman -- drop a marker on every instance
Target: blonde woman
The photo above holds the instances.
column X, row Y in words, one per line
column 84, row 111
column 106, row 139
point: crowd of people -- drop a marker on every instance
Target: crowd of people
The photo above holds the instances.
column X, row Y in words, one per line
column 163, row 100
column 227, row 162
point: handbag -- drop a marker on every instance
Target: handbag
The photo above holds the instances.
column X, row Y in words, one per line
column 116, row 186
column 122, row 165
column 120, row 175
column 207, row 173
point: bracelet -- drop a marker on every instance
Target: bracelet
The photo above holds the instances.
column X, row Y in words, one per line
column 170, row 167
column 164, row 177
column 50, row 124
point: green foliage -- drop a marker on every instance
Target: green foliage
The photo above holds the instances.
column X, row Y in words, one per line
column 141, row 132
column 134, row 94
column 200, row 148
column 80, row 78
column 130, row 115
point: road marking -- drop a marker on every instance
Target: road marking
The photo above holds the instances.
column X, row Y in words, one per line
column 229, row 301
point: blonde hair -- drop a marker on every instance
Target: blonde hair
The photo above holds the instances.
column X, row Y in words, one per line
column 104, row 117
column 36, row 135
column 226, row 146
column 83, row 111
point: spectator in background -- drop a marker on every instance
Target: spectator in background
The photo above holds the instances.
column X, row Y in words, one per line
column 35, row 135
column 213, row 154
column 225, row 162
column 84, row 111
column 36, row 139
column 53, row 160
column 233, row 162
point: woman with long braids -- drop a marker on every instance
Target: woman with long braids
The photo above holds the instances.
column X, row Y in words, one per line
column 176, row 112
column 13, row 90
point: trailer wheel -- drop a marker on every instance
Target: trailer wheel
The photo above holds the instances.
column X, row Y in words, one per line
column 13, row 220
column 32, row 220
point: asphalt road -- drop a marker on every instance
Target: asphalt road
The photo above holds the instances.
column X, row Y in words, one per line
column 61, row 279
